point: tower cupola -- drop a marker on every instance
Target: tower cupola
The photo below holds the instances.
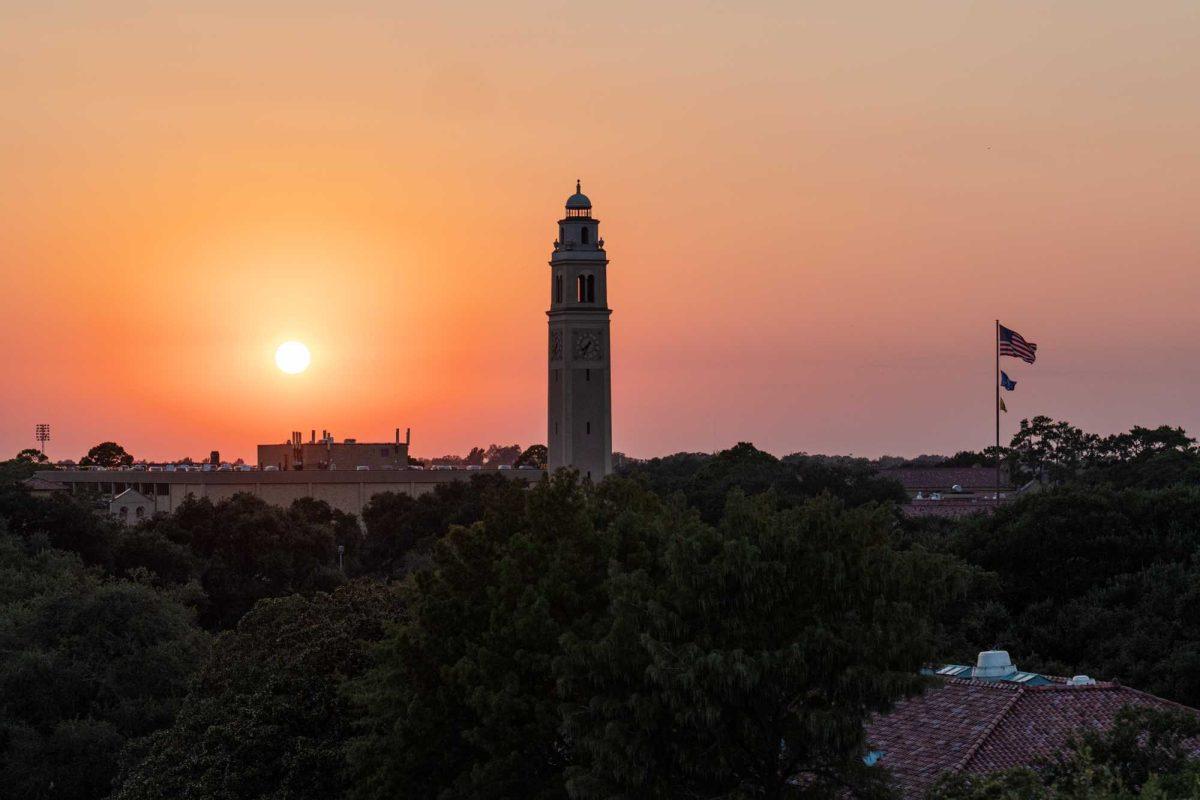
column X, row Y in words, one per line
column 578, row 204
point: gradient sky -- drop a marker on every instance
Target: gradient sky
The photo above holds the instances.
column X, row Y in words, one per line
column 814, row 212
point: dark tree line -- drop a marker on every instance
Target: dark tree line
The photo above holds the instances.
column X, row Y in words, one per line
column 702, row 625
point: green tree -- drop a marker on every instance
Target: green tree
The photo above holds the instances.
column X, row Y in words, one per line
column 401, row 529
column 536, row 455
column 107, row 455
column 761, row 646
column 249, row 550
column 546, row 651
column 86, row 664
column 705, row 481
column 32, row 455
column 1051, row 449
column 265, row 718
column 461, row 701
column 1147, row 753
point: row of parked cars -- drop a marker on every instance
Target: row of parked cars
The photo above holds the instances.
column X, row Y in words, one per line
column 273, row 468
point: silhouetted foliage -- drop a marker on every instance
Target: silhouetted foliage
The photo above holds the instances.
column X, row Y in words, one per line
column 107, row 455
column 705, row 480
column 265, row 717
column 400, row 527
column 85, row 664
column 553, row 651
column 250, row 550
column 1146, row 754
column 536, row 455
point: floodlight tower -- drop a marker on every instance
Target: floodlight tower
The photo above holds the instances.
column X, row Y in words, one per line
column 41, row 432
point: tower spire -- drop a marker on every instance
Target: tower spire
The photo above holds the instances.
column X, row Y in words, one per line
column 578, row 190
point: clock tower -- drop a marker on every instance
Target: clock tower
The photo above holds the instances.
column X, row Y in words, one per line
column 579, row 404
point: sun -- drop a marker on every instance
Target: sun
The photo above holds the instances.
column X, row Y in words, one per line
column 292, row 357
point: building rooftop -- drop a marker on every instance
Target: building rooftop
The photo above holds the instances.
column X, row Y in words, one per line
column 971, row 479
column 980, row 724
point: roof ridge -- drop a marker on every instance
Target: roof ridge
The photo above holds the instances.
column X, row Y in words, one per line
column 974, row 748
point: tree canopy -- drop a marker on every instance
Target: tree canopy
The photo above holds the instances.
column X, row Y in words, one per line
column 544, row 653
column 107, row 455
column 86, row 664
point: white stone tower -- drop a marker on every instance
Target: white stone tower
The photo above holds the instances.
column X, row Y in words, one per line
column 579, row 429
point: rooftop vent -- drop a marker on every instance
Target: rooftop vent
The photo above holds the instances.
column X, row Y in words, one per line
column 1082, row 680
column 994, row 664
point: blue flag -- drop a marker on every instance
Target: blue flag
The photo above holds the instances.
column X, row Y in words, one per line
column 1007, row 382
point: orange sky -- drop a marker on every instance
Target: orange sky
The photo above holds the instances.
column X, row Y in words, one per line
column 814, row 212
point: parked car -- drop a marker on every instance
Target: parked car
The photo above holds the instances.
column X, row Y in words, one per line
column 474, row 466
column 504, row 466
column 270, row 468
column 361, row 468
column 245, row 468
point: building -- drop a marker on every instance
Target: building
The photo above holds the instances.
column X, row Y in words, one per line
column 950, row 491
column 991, row 717
column 345, row 490
column 131, row 506
column 579, row 386
column 325, row 453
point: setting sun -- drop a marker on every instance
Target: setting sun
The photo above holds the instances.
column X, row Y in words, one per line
column 292, row 357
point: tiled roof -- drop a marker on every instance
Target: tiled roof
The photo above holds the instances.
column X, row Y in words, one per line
column 942, row 478
column 978, row 726
column 953, row 506
column 42, row 485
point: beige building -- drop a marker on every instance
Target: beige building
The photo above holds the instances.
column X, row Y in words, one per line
column 346, row 490
column 131, row 506
column 579, row 381
column 326, row 453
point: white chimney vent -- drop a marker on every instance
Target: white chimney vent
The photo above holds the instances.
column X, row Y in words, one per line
column 1082, row 680
column 993, row 664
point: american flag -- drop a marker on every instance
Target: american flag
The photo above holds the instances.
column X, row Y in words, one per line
column 1013, row 344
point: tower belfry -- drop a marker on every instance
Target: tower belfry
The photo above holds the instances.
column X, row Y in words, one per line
column 579, row 405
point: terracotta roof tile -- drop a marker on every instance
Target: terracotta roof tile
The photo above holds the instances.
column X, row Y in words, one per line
column 983, row 726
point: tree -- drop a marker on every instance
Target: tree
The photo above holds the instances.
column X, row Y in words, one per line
column 1057, row 451
column 107, row 455
column 502, row 454
column 536, row 455
column 1147, row 753
column 761, row 645
column 546, row 651
column 86, row 664
column 249, row 550
column 460, row 702
column 32, row 455
column 266, row 717
column 401, row 528
column 1087, row 579
column 705, row 481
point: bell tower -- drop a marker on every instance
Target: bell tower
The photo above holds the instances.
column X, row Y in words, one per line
column 579, row 404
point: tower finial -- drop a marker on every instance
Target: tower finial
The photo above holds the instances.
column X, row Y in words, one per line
column 577, row 189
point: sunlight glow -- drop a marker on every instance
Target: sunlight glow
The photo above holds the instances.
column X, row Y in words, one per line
column 292, row 357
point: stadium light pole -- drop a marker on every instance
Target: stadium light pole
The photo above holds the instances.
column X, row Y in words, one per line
column 41, row 432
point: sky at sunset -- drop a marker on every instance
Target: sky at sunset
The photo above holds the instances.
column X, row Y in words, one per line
column 813, row 211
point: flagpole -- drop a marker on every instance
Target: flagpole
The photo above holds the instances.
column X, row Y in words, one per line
column 997, row 409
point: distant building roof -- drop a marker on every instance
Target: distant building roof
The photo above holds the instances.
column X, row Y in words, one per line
column 939, row 479
column 131, row 496
column 36, row 484
column 954, row 505
column 978, row 726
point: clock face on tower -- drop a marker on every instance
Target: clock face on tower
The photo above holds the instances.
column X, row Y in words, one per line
column 587, row 346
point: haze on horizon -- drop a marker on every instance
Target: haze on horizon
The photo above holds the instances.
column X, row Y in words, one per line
column 814, row 213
